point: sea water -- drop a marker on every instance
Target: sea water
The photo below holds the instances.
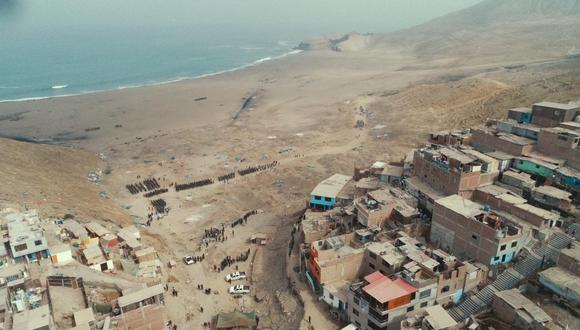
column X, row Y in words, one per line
column 52, row 48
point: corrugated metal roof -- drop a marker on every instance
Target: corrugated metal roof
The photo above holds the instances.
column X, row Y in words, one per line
column 331, row 186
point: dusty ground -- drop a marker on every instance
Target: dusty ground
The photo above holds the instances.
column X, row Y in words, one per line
column 303, row 115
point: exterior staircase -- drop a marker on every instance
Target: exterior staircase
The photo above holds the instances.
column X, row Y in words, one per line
column 510, row 278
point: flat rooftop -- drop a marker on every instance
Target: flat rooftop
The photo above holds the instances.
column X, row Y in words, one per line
column 331, row 186
column 500, row 155
column 573, row 252
column 438, row 317
column 383, row 289
column 562, row 279
column 523, row 110
column 560, row 106
column 461, row 205
column 525, row 307
column 553, row 192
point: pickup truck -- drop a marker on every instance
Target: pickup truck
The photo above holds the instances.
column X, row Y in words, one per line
column 239, row 289
column 235, row 276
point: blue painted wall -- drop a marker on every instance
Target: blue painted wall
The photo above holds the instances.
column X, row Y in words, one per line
column 322, row 202
column 508, row 258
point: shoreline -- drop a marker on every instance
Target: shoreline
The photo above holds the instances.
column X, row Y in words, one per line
column 161, row 83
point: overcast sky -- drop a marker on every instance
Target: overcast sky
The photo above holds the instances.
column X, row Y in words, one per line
column 304, row 16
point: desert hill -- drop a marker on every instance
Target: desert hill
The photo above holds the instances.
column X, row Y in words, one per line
column 54, row 180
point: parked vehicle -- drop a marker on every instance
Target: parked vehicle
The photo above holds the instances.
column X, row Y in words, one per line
column 240, row 289
column 188, row 260
column 235, row 276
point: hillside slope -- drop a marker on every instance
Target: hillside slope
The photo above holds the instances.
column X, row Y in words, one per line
column 54, row 180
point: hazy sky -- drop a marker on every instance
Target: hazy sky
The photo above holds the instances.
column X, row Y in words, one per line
column 304, row 17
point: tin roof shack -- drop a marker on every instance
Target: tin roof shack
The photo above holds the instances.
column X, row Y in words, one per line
column 535, row 166
column 568, row 179
column 523, row 130
column 503, row 199
column 26, row 238
column 562, row 283
column 489, row 139
column 333, row 259
column 513, row 308
column 561, row 143
column 552, row 198
column 374, row 208
column 85, row 319
column 130, row 238
column 520, row 181
column 503, row 159
column 60, row 254
column 384, row 257
column 33, row 319
column 13, row 274
column 433, row 317
column 454, row 137
column 520, row 115
column 573, row 125
column 237, row 320
column 488, row 164
column 380, row 302
column 324, row 196
column 141, row 308
column 149, row 264
column 550, row 114
column 569, row 258
column 450, row 170
column 392, row 174
column 74, row 229
column 468, row 230
column 94, row 257
column 96, row 230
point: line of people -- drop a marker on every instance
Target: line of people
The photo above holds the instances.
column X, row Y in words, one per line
column 194, row 184
column 254, row 169
column 156, row 192
column 143, row 186
column 226, row 177
column 228, row 261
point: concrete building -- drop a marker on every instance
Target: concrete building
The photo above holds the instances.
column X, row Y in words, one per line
column 520, row 115
column 489, row 139
column 561, row 143
column 452, row 171
column 423, row 192
column 60, row 254
column 568, row 178
column 33, row 319
column 334, row 259
column 26, row 238
column 392, row 174
column 373, row 209
column 552, row 198
column 326, row 193
column 550, row 114
column 563, row 283
column 504, row 159
column 513, row 308
column 569, row 258
column 469, row 230
column 521, row 182
column 453, row 138
column 535, row 166
column 502, row 199
column 524, row 130
column 379, row 302
column 432, row 318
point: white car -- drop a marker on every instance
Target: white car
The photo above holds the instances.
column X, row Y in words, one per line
column 240, row 289
column 188, row 260
column 235, row 276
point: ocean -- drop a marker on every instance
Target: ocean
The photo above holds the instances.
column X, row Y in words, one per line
column 69, row 47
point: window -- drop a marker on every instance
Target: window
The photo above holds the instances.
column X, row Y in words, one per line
column 425, row 294
column 495, row 258
column 355, row 312
column 356, row 301
column 328, row 199
column 37, row 243
column 317, row 198
column 474, row 236
column 502, row 247
column 371, row 266
column 410, row 309
column 386, row 264
column 424, row 304
column 357, row 324
column 514, row 244
column 330, row 296
column 372, row 255
column 20, row 247
column 503, row 258
column 445, row 289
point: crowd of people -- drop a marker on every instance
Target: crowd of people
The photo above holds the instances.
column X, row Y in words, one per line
column 143, row 186
column 228, row 261
column 156, row 192
column 258, row 168
column 160, row 206
column 194, row 184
